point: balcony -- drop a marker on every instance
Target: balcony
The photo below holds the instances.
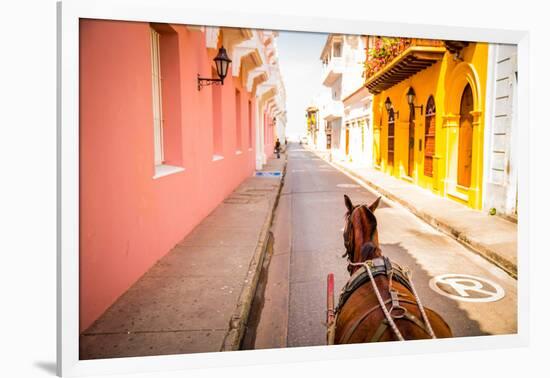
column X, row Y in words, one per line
column 332, row 71
column 333, row 110
column 393, row 60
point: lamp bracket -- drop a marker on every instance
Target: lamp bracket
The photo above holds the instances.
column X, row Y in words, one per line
column 418, row 106
column 203, row 82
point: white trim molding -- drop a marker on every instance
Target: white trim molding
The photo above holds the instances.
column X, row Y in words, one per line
column 162, row 170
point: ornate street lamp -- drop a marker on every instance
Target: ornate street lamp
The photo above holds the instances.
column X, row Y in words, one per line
column 389, row 107
column 410, row 100
column 388, row 104
column 222, row 65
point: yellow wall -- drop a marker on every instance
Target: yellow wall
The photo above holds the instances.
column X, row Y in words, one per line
column 445, row 81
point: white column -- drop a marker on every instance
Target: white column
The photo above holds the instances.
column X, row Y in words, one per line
column 260, row 155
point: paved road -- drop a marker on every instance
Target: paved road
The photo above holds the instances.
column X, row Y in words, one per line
column 308, row 244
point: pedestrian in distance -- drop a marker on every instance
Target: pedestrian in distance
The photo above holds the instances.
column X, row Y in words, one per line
column 278, row 148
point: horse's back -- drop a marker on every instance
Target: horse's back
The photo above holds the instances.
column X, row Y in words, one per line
column 361, row 318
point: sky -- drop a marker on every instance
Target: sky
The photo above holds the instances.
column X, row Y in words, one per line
column 301, row 69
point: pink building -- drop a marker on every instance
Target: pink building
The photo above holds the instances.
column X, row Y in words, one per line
column 157, row 154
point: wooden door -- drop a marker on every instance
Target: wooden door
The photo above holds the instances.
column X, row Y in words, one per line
column 410, row 164
column 377, row 142
column 429, row 138
column 465, row 138
column 391, row 137
column 328, row 131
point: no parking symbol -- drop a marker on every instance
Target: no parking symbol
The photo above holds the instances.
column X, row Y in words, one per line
column 466, row 288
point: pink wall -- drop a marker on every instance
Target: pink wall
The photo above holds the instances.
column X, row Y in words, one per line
column 128, row 220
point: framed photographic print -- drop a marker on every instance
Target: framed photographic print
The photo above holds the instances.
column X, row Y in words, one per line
column 287, row 188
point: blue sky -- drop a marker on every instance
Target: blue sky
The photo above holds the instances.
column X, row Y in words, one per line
column 301, row 69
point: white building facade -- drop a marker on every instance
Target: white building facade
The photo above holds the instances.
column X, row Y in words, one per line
column 264, row 75
column 501, row 132
column 345, row 107
column 358, row 126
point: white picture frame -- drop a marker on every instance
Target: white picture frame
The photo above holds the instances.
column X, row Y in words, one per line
column 175, row 11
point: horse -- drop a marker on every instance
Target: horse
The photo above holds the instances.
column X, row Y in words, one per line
column 379, row 303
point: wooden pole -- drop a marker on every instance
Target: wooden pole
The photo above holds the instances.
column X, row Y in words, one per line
column 330, row 299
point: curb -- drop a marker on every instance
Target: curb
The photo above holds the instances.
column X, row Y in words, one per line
column 478, row 248
column 237, row 323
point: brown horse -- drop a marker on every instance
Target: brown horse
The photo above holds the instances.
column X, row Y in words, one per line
column 390, row 309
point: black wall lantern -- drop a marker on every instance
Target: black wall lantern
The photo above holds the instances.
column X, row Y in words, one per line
column 389, row 107
column 222, row 65
column 410, row 100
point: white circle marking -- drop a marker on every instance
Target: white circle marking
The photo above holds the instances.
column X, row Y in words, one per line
column 463, row 284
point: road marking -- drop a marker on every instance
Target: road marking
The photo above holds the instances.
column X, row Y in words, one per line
column 467, row 288
column 348, row 186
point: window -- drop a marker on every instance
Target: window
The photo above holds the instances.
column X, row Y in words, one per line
column 166, row 94
column 238, row 119
column 391, row 136
column 337, row 49
column 249, row 124
column 429, row 137
column 157, row 97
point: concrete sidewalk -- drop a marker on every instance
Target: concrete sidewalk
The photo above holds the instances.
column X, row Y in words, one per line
column 197, row 297
column 492, row 237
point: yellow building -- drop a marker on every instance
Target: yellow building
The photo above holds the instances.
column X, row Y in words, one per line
column 428, row 113
column 312, row 115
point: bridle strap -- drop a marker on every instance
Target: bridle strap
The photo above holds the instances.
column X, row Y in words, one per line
column 349, row 241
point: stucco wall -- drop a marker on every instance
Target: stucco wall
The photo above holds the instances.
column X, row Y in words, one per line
column 128, row 220
column 445, row 81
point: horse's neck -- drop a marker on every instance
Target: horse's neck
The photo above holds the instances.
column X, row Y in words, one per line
column 369, row 251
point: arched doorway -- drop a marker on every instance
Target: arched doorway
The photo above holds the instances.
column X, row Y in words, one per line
column 410, row 162
column 465, row 138
column 377, row 143
column 429, row 137
column 391, row 137
column 463, row 127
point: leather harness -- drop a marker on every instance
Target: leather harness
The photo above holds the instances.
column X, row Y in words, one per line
column 379, row 266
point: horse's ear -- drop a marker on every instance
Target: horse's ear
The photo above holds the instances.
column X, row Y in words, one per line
column 375, row 204
column 348, row 203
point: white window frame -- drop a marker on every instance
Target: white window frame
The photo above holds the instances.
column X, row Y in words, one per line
column 158, row 121
column 238, row 122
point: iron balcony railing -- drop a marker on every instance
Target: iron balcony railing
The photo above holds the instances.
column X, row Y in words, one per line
column 392, row 60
